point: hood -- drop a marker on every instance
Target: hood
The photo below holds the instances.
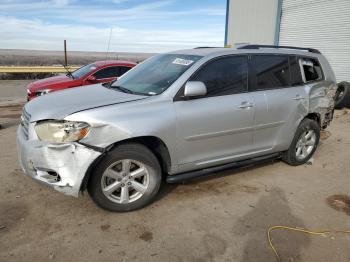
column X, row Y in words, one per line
column 60, row 104
column 48, row 82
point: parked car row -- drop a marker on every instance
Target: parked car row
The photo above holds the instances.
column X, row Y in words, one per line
column 97, row 72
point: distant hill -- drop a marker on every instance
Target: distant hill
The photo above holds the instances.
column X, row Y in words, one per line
column 9, row 57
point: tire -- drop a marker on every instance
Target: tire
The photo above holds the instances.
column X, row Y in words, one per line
column 130, row 175
column 342, row 97
column 295, row 156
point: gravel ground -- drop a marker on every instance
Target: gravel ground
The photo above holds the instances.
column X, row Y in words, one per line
column 13, row 91
column 221, row 218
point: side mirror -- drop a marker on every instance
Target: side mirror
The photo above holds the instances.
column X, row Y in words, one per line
column 91, row 78
column 195, row 88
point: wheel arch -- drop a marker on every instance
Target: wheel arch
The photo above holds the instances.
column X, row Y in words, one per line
column 311, row 115
column 153, row 143
column 314, row 116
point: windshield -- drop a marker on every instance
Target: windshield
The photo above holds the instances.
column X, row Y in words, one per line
column 156, row 74
column 83, row 71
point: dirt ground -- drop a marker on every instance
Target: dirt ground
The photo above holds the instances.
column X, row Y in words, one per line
column 221, row 218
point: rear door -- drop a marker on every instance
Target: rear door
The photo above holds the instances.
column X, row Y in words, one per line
column 216, row 128
column 280, row 100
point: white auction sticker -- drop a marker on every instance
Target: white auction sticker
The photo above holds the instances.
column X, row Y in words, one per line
column 180, row 61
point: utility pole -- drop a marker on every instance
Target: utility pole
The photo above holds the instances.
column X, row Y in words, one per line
column 65, row 53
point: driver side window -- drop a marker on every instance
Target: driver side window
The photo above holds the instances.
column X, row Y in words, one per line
column 107, row 72
column 224, row 76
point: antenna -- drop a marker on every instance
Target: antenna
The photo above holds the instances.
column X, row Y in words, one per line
column 109, row 42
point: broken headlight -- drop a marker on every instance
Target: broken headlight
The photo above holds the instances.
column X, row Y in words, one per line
column 61, row 131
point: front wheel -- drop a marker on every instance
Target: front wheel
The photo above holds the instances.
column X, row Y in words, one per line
column 127, row 178
column 304, row 143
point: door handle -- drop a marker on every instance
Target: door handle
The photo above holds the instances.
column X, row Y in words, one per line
column 245, row 104
column 298, row 97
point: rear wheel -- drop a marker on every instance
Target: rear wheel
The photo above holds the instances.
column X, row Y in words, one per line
column 304, row 143
column 127, row 178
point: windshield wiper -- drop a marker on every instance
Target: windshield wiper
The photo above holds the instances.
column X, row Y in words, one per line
column 123, row 89
column 69, row 74
column 108, row 84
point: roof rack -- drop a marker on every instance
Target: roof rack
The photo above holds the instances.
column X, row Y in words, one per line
column 200, row 47
column 311, row 50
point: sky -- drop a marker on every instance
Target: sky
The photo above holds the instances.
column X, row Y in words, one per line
column 136, row 25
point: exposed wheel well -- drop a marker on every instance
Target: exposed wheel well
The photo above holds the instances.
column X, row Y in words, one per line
column 315, row 116
column 155, row 144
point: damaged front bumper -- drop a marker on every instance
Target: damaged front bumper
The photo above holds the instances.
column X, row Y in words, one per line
column 324, row 107
column 61, row 166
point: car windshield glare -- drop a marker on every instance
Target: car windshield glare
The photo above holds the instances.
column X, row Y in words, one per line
column 83, row 71
column 156, row 74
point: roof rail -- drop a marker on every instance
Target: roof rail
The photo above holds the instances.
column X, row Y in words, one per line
column 200, row 47
column 311, row 50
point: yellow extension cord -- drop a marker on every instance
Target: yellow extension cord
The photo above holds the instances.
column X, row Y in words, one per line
column 302, row 230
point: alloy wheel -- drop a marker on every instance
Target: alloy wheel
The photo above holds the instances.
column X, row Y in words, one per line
column 125, row 181
column 305, row 144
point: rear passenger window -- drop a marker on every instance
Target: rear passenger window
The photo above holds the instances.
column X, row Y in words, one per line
column 312, row 69
column 224, row 76
column 295, row 73
column 271, row 71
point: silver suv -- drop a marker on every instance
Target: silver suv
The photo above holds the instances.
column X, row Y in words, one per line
column 178, row 116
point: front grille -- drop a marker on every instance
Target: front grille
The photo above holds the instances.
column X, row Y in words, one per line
column 25, row 122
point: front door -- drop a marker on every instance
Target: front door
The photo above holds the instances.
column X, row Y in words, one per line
column 218, row 127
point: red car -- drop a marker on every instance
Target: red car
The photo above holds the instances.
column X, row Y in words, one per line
column 98, row 72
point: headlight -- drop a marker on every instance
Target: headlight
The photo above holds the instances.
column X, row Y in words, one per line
column 43, row 92
column 61, row 131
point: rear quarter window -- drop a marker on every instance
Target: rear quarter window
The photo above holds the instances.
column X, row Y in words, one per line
column 312, row 69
